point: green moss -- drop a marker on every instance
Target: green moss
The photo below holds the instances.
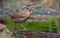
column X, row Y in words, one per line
column 31, row 25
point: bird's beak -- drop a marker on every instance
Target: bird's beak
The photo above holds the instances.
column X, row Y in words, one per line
column 30, row 9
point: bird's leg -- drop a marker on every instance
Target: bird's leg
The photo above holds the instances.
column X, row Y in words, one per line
column 15, row 26
column 15, row 29
column 24, row 27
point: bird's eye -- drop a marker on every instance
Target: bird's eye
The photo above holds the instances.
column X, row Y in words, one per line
column 27, row 8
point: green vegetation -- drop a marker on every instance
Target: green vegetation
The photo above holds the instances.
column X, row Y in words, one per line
column 31, row 25
column 42, row 26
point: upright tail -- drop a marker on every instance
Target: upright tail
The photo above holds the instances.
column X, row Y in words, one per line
column 9, row 14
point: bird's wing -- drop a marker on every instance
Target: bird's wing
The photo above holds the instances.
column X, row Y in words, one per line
column 22, row 14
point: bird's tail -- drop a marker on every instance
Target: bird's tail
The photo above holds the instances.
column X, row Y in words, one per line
column 9, row 14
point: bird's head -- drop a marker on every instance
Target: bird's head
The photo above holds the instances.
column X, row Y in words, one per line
column 28, row 7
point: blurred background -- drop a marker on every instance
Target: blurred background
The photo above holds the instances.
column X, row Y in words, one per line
column 44, row 17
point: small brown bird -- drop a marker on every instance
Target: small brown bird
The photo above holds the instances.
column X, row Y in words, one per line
column 24, row 13
column 21, row 16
